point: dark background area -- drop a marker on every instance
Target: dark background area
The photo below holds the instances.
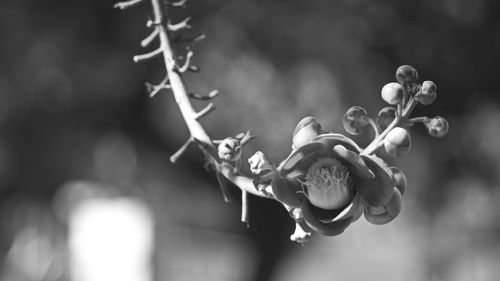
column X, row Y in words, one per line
column 85, row 179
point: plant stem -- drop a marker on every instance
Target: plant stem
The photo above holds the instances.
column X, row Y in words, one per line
column 417, row 120
column 375, row 144
column 374, row 126
column 401, row 118
column 188, row 112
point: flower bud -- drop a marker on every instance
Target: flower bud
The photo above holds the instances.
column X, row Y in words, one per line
column 307, row 129
column 392, row 93
column 406, row 75
column 355, row 120
column 427, row 94
column 437, row 126
column 385, row 214
column 258, row 163
column 230, row 149
column 397, row 142
column 386, row 116
column 300, row 235
column 399, row 179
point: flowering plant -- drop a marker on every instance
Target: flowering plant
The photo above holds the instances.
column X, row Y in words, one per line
column 327, row 181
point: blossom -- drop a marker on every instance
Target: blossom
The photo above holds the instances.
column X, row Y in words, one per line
column 333, row 184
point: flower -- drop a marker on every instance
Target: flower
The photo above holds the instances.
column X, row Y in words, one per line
column 333, row 184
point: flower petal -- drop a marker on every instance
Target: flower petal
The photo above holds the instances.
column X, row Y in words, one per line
column 329, row 229
column 378, row 191
column 331, row 140
column 299, row 157
column 287, row 190
column 357, row 166
column 399, row 179
column 352, row 209
column 385, row 214
column 299, row 161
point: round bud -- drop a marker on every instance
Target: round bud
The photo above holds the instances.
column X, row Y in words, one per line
column 406, row 74
column 427, row 94
column 397, row 142
column 392, row 93
column 385, row 116
column 230, row 149
column 399, row 179
column 307, row 129
column 355, row 120
column 385, row 214
column 437, row 126
column 258, row 163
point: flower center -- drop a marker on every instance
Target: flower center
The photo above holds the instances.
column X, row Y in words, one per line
column 328, row 184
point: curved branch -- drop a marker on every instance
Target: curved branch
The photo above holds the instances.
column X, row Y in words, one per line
column 189, row 114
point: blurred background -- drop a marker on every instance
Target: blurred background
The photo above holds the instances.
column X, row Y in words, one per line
column 87, row 191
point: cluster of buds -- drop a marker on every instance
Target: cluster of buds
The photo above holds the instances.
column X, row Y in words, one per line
column 328, row 181
column 391, row 124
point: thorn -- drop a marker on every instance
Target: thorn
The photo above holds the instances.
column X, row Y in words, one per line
column 126, row 4
column 150, row 86
column 149, row 55
column 179, row 39
column 187, row 62
column 205, row 111
column 178, row 4
column 154, row 89
column 210, row 95
column 244, row 208
column 199, row 38
column 193, row 68
column 150, row 23
column 179, row 26
column 157, row 89
column 146, row 41
column 181, row 150
column 223, row 187
column 246, row 137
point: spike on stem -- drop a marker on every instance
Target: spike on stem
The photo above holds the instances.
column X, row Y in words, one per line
column 187, row 40
column 154, row 89
column 210, row 95
column 181, row 150
column 148, row 56
column 178, row 4
column 127, row 4
column 146, row 41
column 184, row 24
column 223, row 187
column 244, row 208
column 210, row 107
column 187, row 62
